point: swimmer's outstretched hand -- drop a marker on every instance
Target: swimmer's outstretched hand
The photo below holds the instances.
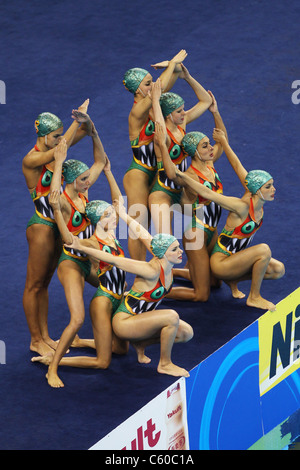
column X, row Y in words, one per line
column 184, row 73
column 219, row 136
column 84, row 107
column 214, row 105
column 178, row 59
column 164, row 64
column 79, row 116
column 160, row 65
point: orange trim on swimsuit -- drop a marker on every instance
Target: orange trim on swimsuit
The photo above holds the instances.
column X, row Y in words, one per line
column 217, row 186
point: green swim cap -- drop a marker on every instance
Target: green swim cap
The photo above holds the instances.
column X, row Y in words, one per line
column 160, row 243
column 169, row 102
column 95, row 209
column 72, row 169
column 46, row 123
column 133, row 78
column 255, row 179
column 190, row 142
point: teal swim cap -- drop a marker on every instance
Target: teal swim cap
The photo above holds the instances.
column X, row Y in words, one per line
column 255, row 179
column 72, row 169
column 169, row 102
column 133, row 78
column 190, row 142
column 160, row 243
column 46, row 123
column 95, row 209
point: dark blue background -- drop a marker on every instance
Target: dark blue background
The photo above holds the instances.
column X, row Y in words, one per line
column 53, row 56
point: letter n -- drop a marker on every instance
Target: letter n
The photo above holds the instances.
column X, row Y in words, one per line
column 281, row 344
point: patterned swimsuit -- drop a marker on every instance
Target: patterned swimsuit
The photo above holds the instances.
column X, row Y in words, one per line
column 139, row 302
column 40, row 196
column 179, row 158
column 144, row 158
column 232, row 241
column 206, row 214
column 111, row 278
column 81, row 226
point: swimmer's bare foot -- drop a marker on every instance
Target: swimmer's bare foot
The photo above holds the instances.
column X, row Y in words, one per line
column 46, row 360
column 40, row 347
column 54, row 381
column 83, row 343
column 140, row 351
column 259, row 302
column 172, row 369
column 236, row 293
column 53, row 344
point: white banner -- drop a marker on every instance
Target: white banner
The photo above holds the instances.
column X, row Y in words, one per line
column 159, row 425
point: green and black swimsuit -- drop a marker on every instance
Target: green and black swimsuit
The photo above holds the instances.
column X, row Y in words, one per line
column 180, row 159
column 232, row 241
column 139, row 302
column 206, row 213
column 81, row 226
column 144, row 157
column 111, row 278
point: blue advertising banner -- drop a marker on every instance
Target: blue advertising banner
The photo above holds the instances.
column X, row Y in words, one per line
column 244, row 396
column 229, row 407
column 223, row 395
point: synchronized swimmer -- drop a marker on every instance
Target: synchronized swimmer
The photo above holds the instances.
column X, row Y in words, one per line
column 78, row 237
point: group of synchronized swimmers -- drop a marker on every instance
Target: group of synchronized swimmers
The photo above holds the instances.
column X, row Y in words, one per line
column 78, row 237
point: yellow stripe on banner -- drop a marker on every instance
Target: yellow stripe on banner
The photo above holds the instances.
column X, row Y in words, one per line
column 279, row 342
